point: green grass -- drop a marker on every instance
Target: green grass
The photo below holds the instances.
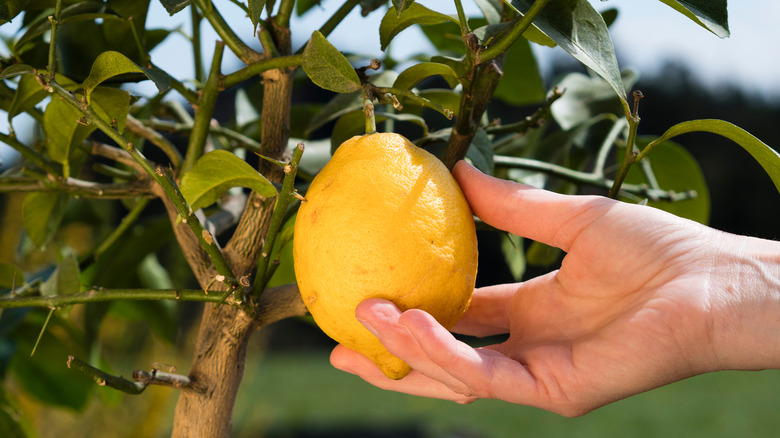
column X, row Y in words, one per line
column 288, row 393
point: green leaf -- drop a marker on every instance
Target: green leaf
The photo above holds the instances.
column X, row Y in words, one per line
column 16, row 70
column 61, row 123
column 581, row 31
column 337, row 107
column 174, row 6
column 327, row 67
column 42, row 213
column 415, row 74
column 369, row 6
column 674, row 169
column 46, row 376
column 512, row 249
column 110, row 64
column 9, row 9
column 29, row 91
column 255, row 9
column 709, row 14
column 521, row 83
column 303, row 6
column 285, row 274
column 393, row 22
column 446, row 37
column 441, row 96
column 767, row 157
column 491, row 9
column 80, row 11
column 585, row 97
column 111, row 104
column 11, row 276
column 215, row 173
column 481, row 152
column 64, row 280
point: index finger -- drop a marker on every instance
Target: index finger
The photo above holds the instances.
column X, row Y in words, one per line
column 541, row 215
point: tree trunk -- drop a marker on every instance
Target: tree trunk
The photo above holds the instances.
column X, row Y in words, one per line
column 220, row 350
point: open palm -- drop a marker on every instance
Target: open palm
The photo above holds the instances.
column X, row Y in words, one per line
column 630, row 308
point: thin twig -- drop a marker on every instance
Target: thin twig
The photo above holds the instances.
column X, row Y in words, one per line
column 156, row 139
column 590, row 179
column 205, row 109
column 100, row 295
column 104, row 379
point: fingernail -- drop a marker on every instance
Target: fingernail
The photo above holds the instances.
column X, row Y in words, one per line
column 368, row 327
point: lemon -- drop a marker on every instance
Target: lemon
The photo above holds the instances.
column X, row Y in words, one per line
column 383, row 219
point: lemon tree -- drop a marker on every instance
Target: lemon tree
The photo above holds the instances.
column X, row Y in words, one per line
column 136, row 197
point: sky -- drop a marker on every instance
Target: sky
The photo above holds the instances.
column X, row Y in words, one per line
column 646, row 34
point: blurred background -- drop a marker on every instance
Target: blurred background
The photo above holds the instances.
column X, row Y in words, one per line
column 290, row 390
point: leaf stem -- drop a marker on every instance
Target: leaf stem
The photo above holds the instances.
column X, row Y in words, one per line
column 631, row 153
column 368, row 109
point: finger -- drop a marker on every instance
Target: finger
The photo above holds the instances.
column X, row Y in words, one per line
column 414, row 383
column 381, row 317
column 487, row 313
column 538, row 214
column 485, row 371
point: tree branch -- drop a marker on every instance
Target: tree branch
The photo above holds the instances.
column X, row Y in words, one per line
column 286, row 194
column 76, row 187
column 168, row 185
column 590, row 179
column 204, row 111
column 142, row 378
column 98, row 295
column 135, row 126
column 236, row 45
column 258, row 67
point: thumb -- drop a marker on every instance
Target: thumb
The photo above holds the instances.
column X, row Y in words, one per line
column 526, row 211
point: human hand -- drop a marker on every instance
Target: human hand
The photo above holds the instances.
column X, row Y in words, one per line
column 642, row 299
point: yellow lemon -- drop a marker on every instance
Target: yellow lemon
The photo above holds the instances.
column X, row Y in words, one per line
column 383, row 219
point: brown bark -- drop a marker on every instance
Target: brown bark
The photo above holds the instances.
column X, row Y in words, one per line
column 220, row 350
column 474, row 101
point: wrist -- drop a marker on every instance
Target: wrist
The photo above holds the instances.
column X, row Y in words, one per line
column 746, row 304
